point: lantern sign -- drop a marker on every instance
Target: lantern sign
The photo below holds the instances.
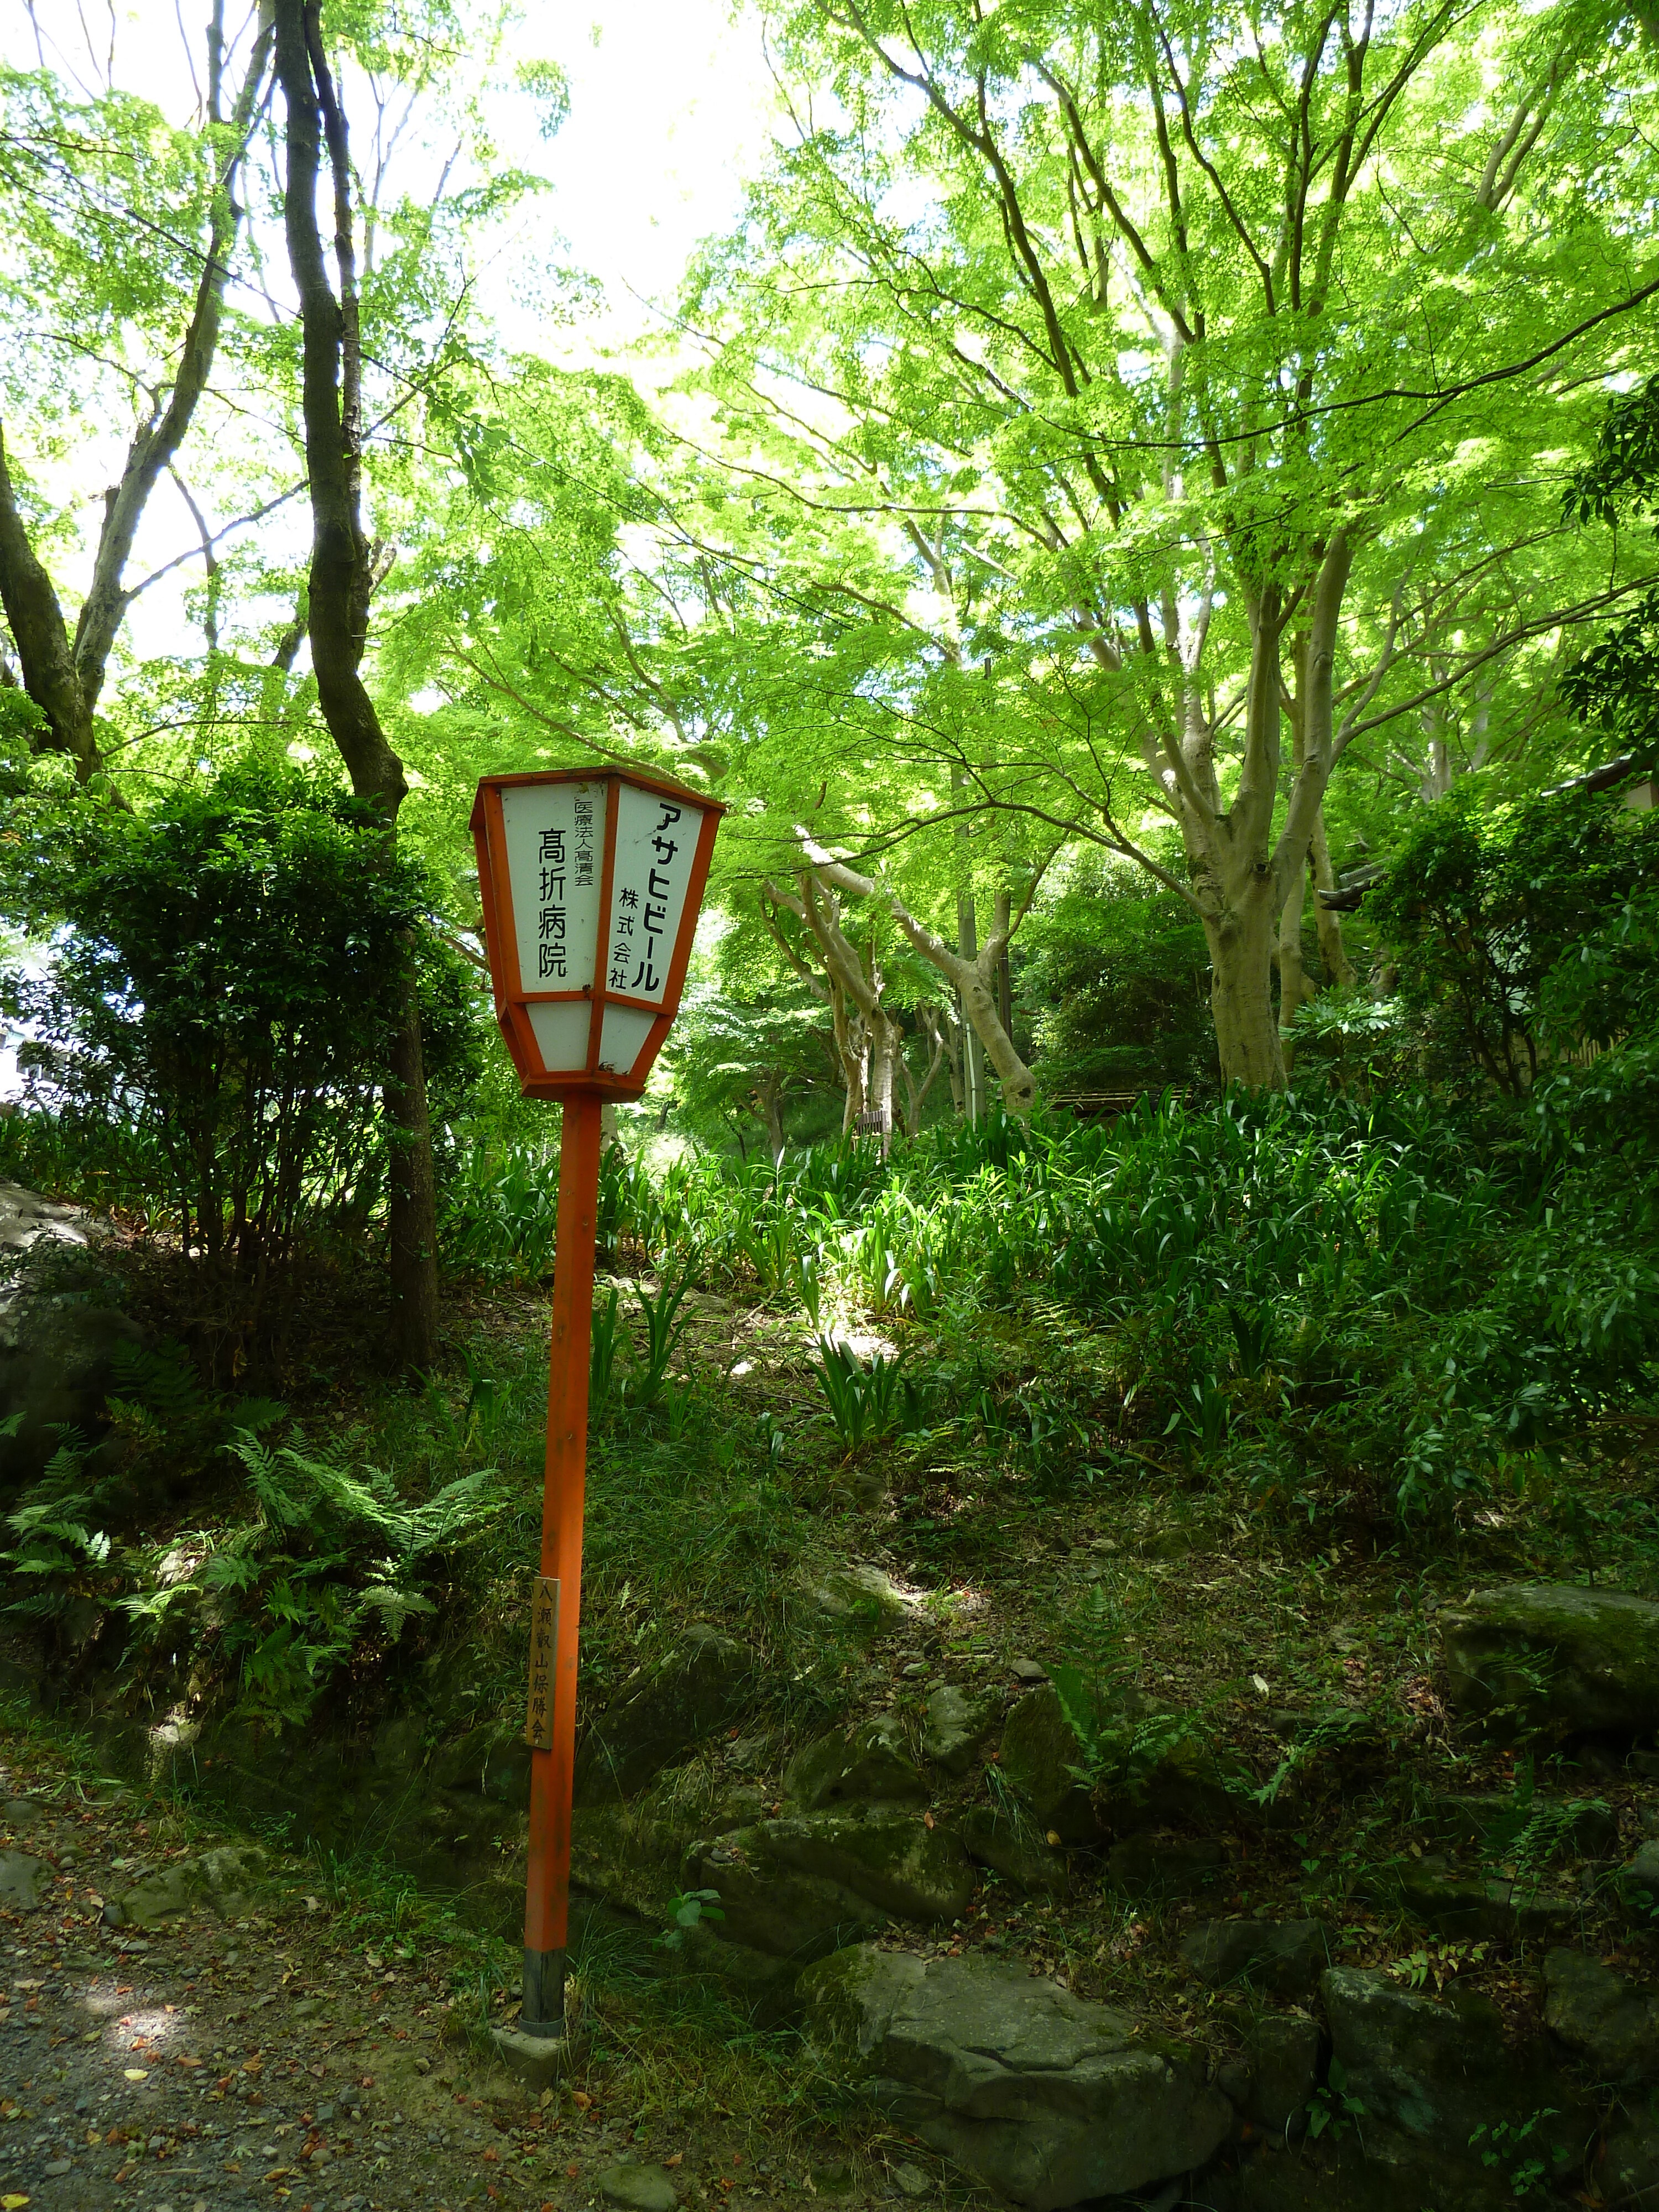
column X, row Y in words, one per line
column 590, row 885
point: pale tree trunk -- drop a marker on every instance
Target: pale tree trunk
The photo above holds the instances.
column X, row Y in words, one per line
column 64, row 677
column 343, row 575
column 975, row 981
column 866, row 1037
column 1240, row 874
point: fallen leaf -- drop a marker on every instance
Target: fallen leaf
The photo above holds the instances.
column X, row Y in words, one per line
column 571, row 2172
column 580, row 2099
column 136, row 2073
column 13, row 2203
column 678, row 2159
column 1258, row 1683
column 926, row 1820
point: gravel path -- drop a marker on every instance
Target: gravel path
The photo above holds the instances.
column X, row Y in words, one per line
column 207, row 2064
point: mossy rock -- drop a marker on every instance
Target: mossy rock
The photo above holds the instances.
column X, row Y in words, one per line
column 1552, row 1660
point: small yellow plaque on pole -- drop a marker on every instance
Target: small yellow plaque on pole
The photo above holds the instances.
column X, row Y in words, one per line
column 543, row 1646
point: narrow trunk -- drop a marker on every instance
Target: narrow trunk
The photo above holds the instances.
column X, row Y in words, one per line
column 412, row 1190
column 973, row 1059
column 338, row 593
column 884, row 1049
column 1294, row 988
column 769, row 1096
column 1339, row 969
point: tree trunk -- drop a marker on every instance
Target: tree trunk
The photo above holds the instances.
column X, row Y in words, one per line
column 973, row 1053
column 63, row 678
column 1294, row 988
column 883, row 1050
column 412, row 1198
column 1241, row 994
column 1339, row 969
column 341, row 584
column 769, row 1096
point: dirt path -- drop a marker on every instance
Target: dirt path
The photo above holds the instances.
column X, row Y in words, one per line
column 209, row 2063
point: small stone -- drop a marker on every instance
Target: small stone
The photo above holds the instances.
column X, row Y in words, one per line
column 23, row 1880
column 638, row 2188
column 21, row 1813
column 1028, row 1670
column 913, row 1673
column 307, row 2008
column 55, row 2165
column 422, row 2065
column 912, row 2180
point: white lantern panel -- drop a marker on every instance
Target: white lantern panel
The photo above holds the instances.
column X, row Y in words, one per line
column 656, row 845
column 622, row 1039
column 555, row 853
column 561, row 1034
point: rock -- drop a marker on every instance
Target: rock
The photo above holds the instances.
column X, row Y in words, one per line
column 20, row 1813
column 1435, row 2072
column 910, row 2180
column 797, row 1887
column 958, row 1724
column 1628, row 2174
column 1551, row 1658
column 1028, row 1670
column 862, row 1599
column 24, row 1880
column 1286, row 1957
column 999, row 1836
column 1148, row 1865
column 872, row 1765
column 660, row 1712
column 1493, row 1821
column 1273, row 2078
column 1040, row 1757
column 762, row 1981
column 1612, row 2022
column 638, row 2188
column 539, row 2061
column 1038, row 2093
column 1639, row 1880
column 219, row 1881
column 58, row 1349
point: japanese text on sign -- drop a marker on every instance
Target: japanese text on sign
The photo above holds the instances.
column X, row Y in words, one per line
column 543, row 1654
column 656, row 846
column 555, row 845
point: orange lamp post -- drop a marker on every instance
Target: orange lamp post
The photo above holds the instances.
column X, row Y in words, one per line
column 590, row 884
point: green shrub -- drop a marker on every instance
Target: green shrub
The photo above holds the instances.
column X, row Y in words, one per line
column 223, row 984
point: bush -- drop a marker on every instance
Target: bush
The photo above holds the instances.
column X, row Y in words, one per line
column 223, row 982
column 1117, row 974
column 1481, row 910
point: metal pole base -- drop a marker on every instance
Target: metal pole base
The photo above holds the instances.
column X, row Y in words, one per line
column 541, row 2011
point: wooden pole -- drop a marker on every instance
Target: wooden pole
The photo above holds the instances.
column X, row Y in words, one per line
column 553, row 1736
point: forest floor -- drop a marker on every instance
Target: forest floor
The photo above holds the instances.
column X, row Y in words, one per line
column 1287, row 1619
column 321, row 2053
